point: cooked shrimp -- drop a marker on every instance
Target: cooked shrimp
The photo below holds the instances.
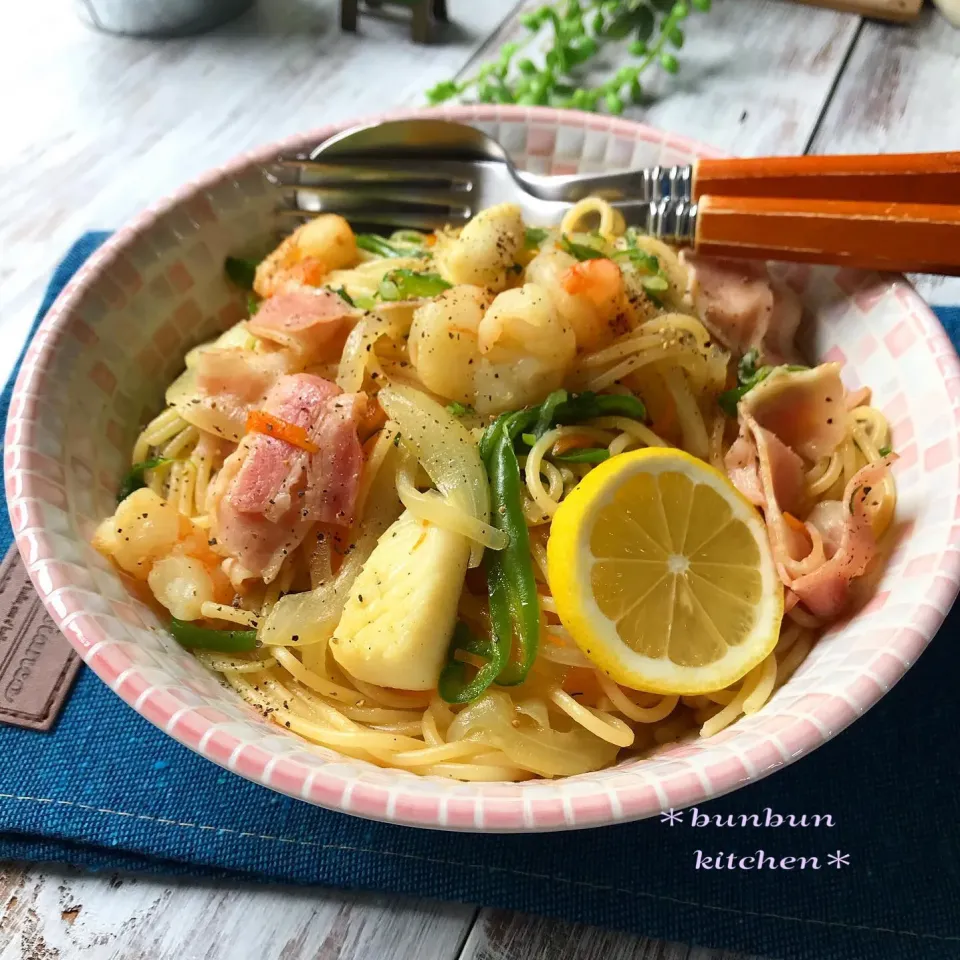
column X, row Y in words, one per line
column 485, row 250
column 305, row 257
column 526, row 347
column 443, row 341
column 590, row 296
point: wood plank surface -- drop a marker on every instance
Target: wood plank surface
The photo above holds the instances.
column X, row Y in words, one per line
column 503, row 935
column 58, row 914
column 96, row 126
column 898, row 94
column 754, row 74
column 899, row 10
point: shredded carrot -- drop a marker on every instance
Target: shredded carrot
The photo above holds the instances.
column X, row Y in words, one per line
column 794, row 523
column 373, row 419
column 573, row 441
column 420, row 539
column 667, row 423
column 798, row 529
column 260, row 422
column 431, row 239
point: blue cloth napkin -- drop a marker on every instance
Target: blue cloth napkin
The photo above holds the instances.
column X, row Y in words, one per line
column 105, row 791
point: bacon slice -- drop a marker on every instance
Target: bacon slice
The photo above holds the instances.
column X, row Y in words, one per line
column 312, row 322
column 217, row 391
column 744, row 308
column 742, row 468
column 775, row 482
column 804, row 408
column 817, row 561
column 825, row 591
column 270, row 492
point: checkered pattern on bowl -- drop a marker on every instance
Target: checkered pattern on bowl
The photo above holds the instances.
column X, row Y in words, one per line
column 97, row 369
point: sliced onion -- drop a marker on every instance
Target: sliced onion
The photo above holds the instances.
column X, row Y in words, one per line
column 358, row 352
column 435, row 509
column 445, row 448
column 548, row 752
column 224, row 416
column 236, row 336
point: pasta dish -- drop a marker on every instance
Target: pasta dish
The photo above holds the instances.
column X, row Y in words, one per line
column 503, row 501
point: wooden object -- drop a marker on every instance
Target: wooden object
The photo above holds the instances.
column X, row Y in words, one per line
column 895, row 95
column 900, row 11
column 424, row 14
column 873, row 236
column 906, row 178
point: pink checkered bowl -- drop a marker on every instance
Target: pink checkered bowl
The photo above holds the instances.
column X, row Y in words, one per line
column 98, row 366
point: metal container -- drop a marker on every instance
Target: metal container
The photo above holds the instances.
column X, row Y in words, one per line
column 159, row 18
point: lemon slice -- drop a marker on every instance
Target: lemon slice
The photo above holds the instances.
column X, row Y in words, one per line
column 662, row 573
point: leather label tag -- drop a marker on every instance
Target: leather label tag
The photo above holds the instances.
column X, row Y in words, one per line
column 37, row 664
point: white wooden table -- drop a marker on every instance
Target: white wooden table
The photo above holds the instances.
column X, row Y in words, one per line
column 95, row 127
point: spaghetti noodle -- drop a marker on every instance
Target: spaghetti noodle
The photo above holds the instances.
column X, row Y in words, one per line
column 629, row 330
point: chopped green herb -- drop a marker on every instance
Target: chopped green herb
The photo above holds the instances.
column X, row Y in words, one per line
column 657, row 284
column 409, row 285
column 748, row 376
column 134, row 478
column 580, row 250
column 639, row 258
column 396, row 439
column 253, row 304
column 528, row 438
column 534, row 236
column 885, row 451
column 747, row 367
column 373, row 243
column 730, row 399
column 584, row 455
column 342, row 293
column 459, row 409
column 242, row 272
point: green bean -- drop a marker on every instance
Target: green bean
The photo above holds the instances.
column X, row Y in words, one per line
column 453, row 685
column 584, row 455
column 511, row 580
column 192, row 637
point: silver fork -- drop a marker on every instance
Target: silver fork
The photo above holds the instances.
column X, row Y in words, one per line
column 423, row 174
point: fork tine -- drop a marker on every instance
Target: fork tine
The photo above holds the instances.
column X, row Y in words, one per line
column 393, row 219
column 373, row 195
column 317, row 173
column 400, row 210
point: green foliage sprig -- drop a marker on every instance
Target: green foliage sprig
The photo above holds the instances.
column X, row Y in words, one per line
column 575, row 32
